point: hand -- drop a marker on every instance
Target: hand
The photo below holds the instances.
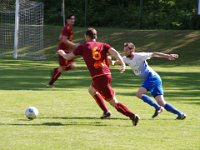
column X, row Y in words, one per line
column 76, row 45
column 61, row 52
column 113, row 62
column 122, row 68
column 173, row 56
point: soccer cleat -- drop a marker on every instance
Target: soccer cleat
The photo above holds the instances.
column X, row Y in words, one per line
column 157, row 112
column 106, row 115
column 135, row 120
column 182, row 117
column 51, row 85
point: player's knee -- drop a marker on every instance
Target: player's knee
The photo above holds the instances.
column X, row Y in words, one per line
column 73, row 65
column 113, row 102
column 160, row 100
column 61, row 69
column 139, row 95
column 91, row 91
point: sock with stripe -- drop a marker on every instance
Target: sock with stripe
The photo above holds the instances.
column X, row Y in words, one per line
column 68, row 68
column 100, row 101
column 124, row 110
column 55, row 75
column 150, row 101
column 172, row 109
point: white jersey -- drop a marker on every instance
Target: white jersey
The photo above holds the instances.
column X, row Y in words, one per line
column 139, row 64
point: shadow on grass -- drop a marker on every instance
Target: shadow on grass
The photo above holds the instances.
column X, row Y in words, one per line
column 75, row 123
column 63, row 124
column 82, row 118
column 34, row 75
column 96, row 118
column 60, row 124
column 33, row 79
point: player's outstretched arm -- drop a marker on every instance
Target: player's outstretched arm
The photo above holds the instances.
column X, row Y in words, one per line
column 111, row 61
column 65, row 55
column 118, row 57
column 163, row 55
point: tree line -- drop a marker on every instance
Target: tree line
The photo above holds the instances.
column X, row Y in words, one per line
column 135, row 14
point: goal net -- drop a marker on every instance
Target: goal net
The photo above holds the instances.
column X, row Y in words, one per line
column 21, row 29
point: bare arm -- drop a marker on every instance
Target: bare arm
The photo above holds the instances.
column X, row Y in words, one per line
column 113, row 62
column 163, row 55
column 64, row 39
column 65, row 55
column 118, row 57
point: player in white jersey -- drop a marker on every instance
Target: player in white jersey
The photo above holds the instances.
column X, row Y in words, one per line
column 152, row 81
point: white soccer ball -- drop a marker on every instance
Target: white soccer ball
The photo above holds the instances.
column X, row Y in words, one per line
column 31, row 112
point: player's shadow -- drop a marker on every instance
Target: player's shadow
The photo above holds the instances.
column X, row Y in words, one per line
column 96, row 123
column 73, row 121
column 97, row 118
column 83, row 118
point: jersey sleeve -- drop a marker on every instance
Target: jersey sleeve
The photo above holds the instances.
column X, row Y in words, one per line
column 145, row 55
column 65, row 31
column 124, row 59
column 107, row 47
column 78, row 50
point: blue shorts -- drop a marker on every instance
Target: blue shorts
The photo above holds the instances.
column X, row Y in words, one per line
column 153, row 84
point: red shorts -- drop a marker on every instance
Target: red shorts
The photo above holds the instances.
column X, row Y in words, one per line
column 102, row 85
column 63, row 62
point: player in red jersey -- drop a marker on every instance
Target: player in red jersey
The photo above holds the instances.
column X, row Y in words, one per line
column 95, row 56
column 65, row 43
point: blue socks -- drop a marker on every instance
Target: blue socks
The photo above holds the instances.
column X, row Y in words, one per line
column 150, row 101
column 167, row 106
column 172, row 109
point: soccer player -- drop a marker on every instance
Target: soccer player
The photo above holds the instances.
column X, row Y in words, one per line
column 152, row 81
column 95, row 56
column 65, row 43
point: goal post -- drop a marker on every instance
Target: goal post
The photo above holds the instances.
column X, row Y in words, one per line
column 15, row 54
column 63, row 11
column 21, row 29
column 199, row 7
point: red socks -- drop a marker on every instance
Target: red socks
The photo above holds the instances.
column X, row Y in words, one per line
column 55, row 75
column 68, row 68
column 120, row 107
column 100, row 101
column 124, row 110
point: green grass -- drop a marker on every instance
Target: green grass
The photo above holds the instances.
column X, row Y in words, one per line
column 69, row 117
column 184, row 42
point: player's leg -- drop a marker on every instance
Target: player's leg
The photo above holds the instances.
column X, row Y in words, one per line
column 141, row 94
column 107, row 92
column 56, row 73
column 70, row 65
column 158, row 93
column 64, row 66
column 100, row 101
column 160, row 99
column 123, row 109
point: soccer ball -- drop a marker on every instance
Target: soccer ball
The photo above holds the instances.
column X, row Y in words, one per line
column 31, row 113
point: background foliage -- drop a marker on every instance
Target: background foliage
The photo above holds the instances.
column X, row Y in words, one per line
column 143, row 14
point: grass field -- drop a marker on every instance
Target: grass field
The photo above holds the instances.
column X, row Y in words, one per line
column 69, row 117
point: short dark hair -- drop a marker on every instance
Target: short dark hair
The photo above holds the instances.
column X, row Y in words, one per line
column 92, row 33
column 129, row 45
column 71, row 17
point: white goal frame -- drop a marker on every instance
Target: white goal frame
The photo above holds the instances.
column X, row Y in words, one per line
column 21, row 29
